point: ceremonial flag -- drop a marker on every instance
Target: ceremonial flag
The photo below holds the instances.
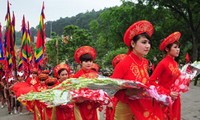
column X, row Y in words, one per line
column 40, row 43
column 24, row 49
column 7, row 38
column 20, row 64
column 1, row 46
column 13, row 37
column 187, row 58
column 30, row 48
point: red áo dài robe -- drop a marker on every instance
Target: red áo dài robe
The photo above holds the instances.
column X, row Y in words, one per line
column 135, row 69
column 64, row 112
column 85, row 74
column 88, row 109
column 164, row 75
column 32, row 81
column 39, row 109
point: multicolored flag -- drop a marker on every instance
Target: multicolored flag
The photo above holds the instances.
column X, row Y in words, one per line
column 13, row 37
column 30, row 48
column 7, row 39
column 1, row 46
column 8, row 45
column 24, row 47
column 40, row 43
column 20, row 65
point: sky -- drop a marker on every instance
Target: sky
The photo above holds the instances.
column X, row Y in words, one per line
column 54, row 9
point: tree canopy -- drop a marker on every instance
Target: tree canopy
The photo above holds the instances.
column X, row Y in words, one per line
column 104, row 30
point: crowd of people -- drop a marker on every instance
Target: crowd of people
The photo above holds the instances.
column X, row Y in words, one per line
column 132, row 66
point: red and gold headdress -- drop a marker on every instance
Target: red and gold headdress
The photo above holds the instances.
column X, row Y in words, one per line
column 170, row 39
column 136, row 29
column 59, row 67
column 42, row 76
column 95, row 66
column 83, row 50
column 50, row 81
column 117, row 59
column 45, row 71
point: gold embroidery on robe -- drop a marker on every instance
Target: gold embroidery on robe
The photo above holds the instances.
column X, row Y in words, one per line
column 33, row 82
column 174, row 70
column 38, row 114
column 146, row 114
column 141, row 74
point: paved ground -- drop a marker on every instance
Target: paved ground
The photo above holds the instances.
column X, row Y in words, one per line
column 190, row 107
column 191, row 104
column 5, row 116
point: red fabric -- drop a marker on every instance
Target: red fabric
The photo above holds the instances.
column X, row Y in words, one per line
column 110, row 111
column 165, row 73
column 24, row 90
column 95, row 67
column 18, row 85
column 48, row 113
column 170, row 39
column 32, row 81
column 187, row 58
column 88, row 110
column 59, row 67
column 41, row 87
column 135, row 69
column 65, row 112
column 91, row 113
column 83, row 50
column 40, row 111
column 85, row 74
column 29, row 105
column 137, row 28
column 117, row 59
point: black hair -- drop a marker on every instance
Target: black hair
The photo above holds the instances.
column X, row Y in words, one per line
column 62, row 70
column 86, row 57
column 170, row 45
column 137, row 37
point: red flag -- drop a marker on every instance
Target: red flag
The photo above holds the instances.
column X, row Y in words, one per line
column 187, row 58
column 40, row 43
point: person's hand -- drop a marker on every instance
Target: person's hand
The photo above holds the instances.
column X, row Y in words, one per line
column 174, row 95
column 110, row 105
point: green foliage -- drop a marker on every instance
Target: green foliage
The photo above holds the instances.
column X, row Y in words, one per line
column 104, row 30
column 107, row 59
column 59, row 51
column 186, row 13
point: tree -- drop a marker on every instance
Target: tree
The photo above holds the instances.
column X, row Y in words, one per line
column 187, row 12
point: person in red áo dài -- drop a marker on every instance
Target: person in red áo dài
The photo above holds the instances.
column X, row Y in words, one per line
column 85, row 56
column 21, row 87
column 110, row 109
column 49, row 112
column 63, row 112
column 33, row 79
column 134, row 67
column 166, row 72
column 39, row 106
